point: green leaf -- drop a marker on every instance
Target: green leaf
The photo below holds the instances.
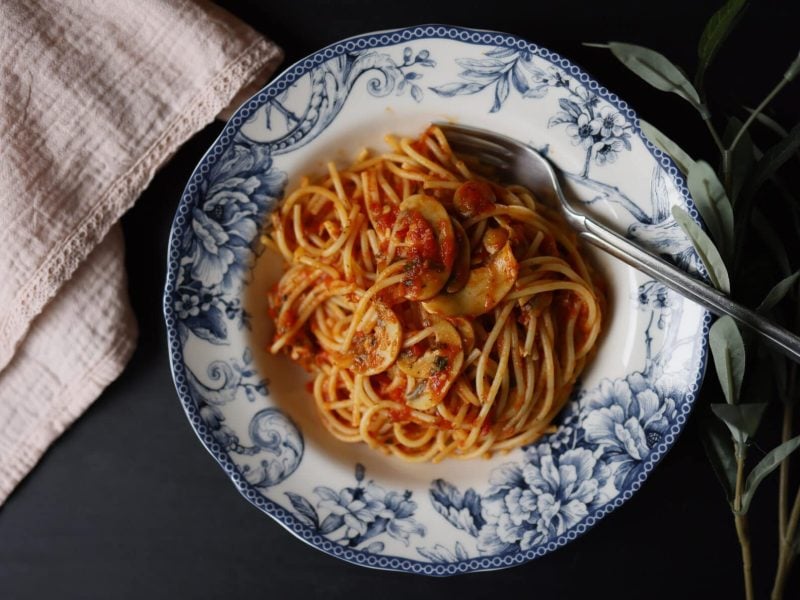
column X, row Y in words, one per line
column 769, row 123
column 766, row 466
column 742, row 419
column 705, row 249
column 727, row 349
column 676, row 153
column 720, row 452
column 712, row 203
column 657, row 70
column 771, row 239
column 717, row 29
column 742, row 158
column 778, row 292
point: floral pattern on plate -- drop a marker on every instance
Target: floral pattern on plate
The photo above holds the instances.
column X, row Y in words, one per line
column 611, row 434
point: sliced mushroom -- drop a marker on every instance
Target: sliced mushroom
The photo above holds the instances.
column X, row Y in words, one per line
column 494, row 239
column 467, row 333
column 460, row 273
column 485, row 288
column 428, row 269
column 436, row 369
column 374, row 350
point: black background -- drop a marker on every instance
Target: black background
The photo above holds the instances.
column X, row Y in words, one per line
column 127, row 503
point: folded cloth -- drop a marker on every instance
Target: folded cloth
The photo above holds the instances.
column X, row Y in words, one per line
column 94, row 97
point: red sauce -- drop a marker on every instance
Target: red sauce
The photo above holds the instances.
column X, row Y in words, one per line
column 386, row 219
column 310, row 387
column 548, row 246
column 321, row 357
column 438, row 380
column 421, row 145
column 397, row 394
column 443, row 423
column 413, row 229
column 569, row 305
column 487, row 426
column 287, row 320
column 400, row 415
column 417, row 350
column 384, row 216
column 381, row 381
column 474, row 198
column 414, row 279
column 448, row 247
column 392, row 295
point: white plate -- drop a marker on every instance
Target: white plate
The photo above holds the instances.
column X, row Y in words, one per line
column 251, row 409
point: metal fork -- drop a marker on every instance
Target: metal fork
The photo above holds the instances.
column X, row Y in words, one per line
column 520, row 163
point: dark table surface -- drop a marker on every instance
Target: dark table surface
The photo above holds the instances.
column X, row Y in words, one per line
column 127, row 503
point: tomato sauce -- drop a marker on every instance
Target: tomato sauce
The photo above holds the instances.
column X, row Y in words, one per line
column 448, row 249
column 443, row 423
column 548, row 246
column 421, row 145
column 439, row 379
column 384, row 216
column 487, row 425
column 415, row 230
column 287, row 320
column 386, row 219
column 474, row 198
column 400, row 415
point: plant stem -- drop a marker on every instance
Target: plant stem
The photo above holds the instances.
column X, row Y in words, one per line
column 758, row 109
column 783, row 490
column 741, row 523
column 715, row 135
column 786, row 556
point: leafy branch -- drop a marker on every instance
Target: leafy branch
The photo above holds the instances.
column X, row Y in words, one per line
column 729, row 200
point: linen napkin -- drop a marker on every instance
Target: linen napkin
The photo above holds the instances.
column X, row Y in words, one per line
column 94, row 97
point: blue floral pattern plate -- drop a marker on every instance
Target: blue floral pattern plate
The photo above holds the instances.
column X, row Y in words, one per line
column 251, row 410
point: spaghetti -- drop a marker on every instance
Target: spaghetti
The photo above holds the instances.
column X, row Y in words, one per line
column 440, row 313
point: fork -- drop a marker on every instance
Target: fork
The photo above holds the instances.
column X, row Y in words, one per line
column 520, row 163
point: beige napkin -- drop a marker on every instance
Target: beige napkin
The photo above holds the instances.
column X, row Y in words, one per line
column 94, row 97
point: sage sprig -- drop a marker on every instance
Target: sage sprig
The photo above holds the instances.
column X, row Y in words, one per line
column 732, row 201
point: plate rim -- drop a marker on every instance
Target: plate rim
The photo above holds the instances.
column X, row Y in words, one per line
column 283, row 516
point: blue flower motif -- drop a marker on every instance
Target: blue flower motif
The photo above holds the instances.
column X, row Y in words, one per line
column 190, row 305
column 200, row 311
column 608, row 123
column 606, row 151
column 564, row 436
column 397, row 509
column 363, row 512
column 581, row 130
column 543, row 498
column 355, row 510
column 656, row 296
column 242, row 186
column 628, row 417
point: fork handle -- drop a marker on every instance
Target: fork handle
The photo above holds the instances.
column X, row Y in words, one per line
column 718, row 303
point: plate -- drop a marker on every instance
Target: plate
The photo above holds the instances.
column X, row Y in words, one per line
column 252, row 411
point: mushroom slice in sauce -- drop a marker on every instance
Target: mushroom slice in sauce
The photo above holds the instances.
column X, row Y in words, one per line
column 486, row 286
